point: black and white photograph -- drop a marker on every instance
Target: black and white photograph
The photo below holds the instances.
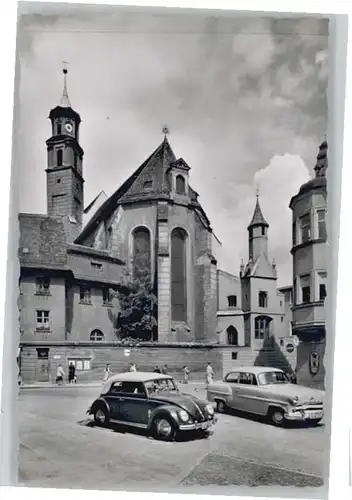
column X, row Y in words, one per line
column 172, row 213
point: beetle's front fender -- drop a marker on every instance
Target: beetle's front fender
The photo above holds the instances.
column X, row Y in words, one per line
column 165, row 410
column 98, row 403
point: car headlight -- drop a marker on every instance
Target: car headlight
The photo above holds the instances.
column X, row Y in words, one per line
column 210, row 409
column 183, row 415
column 294, row 400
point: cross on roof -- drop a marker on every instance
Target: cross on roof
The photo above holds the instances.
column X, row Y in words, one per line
column 165, row 130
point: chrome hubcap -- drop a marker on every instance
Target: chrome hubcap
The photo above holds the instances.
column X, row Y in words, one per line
column 221, row 406
column 164, row 428
column 100, row 416
column 278, row 416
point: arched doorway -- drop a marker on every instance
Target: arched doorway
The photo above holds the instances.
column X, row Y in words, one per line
column 232, row 335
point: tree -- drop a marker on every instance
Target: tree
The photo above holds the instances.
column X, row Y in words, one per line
column 138, row 307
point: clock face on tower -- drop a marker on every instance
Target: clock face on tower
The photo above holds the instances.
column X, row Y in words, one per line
column 68, row 127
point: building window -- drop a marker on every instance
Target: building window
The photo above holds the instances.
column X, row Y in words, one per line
column 148, row 184
column 107, row 297
column 141, row 253
column 234, row 355
column 85, row 295
column 232, row 300
column 294, row 234
column 180, row 184
column 75, row 159
column 263, row 299
column 80, row 363
column 232, row 335
column 305, row 288
column 321, row 224
column 305, row 228
column 263, row 230
column 43, row 320
column 59, row 129
column 322, row 285
column 42, row 286
column 262, row 327
column 59, row 155
column 58, row 181
column 96, row 336
column 178, row 275
column 282, row 319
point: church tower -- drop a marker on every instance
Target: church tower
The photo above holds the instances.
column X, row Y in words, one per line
column 257, row 234
column 64, row 164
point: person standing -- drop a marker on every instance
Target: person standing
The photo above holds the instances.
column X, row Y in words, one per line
column 132, row 368
column 186, row 371
column 210, row 374
column 60, row 375
column 71, row 373
column 164, row 370
column 157, row 370
column 107, row 373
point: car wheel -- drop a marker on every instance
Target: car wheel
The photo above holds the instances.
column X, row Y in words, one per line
column 221, row 407
column 276, row 416
column 164, row 429
column 101, row 417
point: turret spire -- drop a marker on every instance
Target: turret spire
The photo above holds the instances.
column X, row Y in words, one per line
column 65, row 101
column 258, row 218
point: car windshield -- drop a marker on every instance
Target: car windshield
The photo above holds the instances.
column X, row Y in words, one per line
column 267, row 378
column 154, row 386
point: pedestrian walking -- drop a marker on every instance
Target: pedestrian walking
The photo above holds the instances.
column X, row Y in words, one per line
column 157, row 370
column 60, row 375
column 71, row 373
column 186, row 372
column 164, row 370
column 132, row 368
column 210, row 374
column 107, row 373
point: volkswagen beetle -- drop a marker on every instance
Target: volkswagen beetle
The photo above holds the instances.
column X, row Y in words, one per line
column 151, row 401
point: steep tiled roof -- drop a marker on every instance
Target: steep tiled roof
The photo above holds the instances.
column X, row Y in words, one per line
column 258, row 218
column 42, row 241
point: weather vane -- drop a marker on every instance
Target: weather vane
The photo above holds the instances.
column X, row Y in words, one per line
column 257, row 191
column 165, row 130
column 64, row 70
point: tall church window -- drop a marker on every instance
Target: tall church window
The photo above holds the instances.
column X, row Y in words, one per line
column 263, row 299
column 59, row 130
column 141, row 252
column 305, row 228
column 59, row 157
column 262, row 327
column 178, row 275
column 180, row 184
column 232, row 335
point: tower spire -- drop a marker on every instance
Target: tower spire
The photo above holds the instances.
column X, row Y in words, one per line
column 258, row 218
column 65, row 101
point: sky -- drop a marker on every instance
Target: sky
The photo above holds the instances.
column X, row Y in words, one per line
column 244, row 100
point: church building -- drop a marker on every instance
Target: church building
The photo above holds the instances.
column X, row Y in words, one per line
column 72, row 258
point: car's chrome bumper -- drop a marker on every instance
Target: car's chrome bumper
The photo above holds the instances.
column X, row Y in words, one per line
column 199, row 426
column 304, row 414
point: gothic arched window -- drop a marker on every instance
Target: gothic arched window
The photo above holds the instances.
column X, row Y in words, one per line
column 262, row 327
column 180, row 184
column 141, row 252
column 232, row 335
column 178, row 275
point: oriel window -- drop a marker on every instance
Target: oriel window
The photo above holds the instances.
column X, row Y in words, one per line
column 321, row 224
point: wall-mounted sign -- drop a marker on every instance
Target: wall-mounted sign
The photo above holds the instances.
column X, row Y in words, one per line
column 314, row 363
column 127, row 352
column 290, row 348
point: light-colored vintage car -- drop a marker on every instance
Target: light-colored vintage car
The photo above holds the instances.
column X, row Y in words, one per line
column 268, row 392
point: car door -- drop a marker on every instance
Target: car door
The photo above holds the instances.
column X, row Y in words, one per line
column 113, row 398
column 133, row 404
column 232, row 379
column 246, row 392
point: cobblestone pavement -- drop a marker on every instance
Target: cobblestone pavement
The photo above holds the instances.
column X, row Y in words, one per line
column 58, row 449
